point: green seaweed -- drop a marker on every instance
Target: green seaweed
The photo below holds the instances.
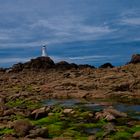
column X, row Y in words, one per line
column 54, row 130
column 15, row 103
column 47, row 120
column 134, row 129
column 122, row 135
column 23, row 103
column 6, row 131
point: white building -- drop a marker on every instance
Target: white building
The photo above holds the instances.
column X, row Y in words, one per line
column 44, row 53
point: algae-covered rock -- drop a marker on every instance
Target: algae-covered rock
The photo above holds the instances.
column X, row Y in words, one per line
column 39, row 132
column 22, row 127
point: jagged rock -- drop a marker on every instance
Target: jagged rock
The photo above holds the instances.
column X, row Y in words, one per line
column 22, row 127
column 66, row 75
column 110, row 117
column 85, row 66
column 135, row 59
column 65, row 65
column 17, row 67
column 115, row 112
column 41, row 112
column 106, row 65
column 104, row 115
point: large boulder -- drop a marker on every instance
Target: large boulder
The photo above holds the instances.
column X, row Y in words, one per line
column 135, row 59
column 22, row 127
column 39, row 63
column 41, row 112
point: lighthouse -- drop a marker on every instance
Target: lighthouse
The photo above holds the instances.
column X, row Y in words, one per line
column 44, row 54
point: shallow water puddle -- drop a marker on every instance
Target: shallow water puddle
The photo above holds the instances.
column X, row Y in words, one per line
column 91, row 131
column 132, row 110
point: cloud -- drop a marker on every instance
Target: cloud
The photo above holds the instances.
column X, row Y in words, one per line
column 13, row 60
column 29, row 24
column 69, row 29
column 83, row 59
column 89, row 57
column 131, row 21
column 53, row 30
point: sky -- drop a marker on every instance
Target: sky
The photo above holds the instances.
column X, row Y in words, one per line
column 78, row 31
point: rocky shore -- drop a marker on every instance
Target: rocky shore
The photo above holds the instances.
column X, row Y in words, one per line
column 24, row 87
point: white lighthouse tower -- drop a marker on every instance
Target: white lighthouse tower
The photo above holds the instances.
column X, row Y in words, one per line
column 44, row 54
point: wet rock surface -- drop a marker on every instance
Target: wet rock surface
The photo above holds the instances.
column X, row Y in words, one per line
column 69, row 120
column 24, row 87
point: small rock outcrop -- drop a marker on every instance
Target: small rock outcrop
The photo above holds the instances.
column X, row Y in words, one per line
column 65, row 65
column 17, row 67
column 135, row 59
column 39, row 63
column 106, row 65
column 43, row 63
column 86, row 66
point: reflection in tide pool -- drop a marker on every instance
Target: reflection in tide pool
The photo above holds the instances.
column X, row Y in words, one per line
column 132, row 110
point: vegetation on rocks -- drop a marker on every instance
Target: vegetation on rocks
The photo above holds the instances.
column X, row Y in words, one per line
column 25, row 88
